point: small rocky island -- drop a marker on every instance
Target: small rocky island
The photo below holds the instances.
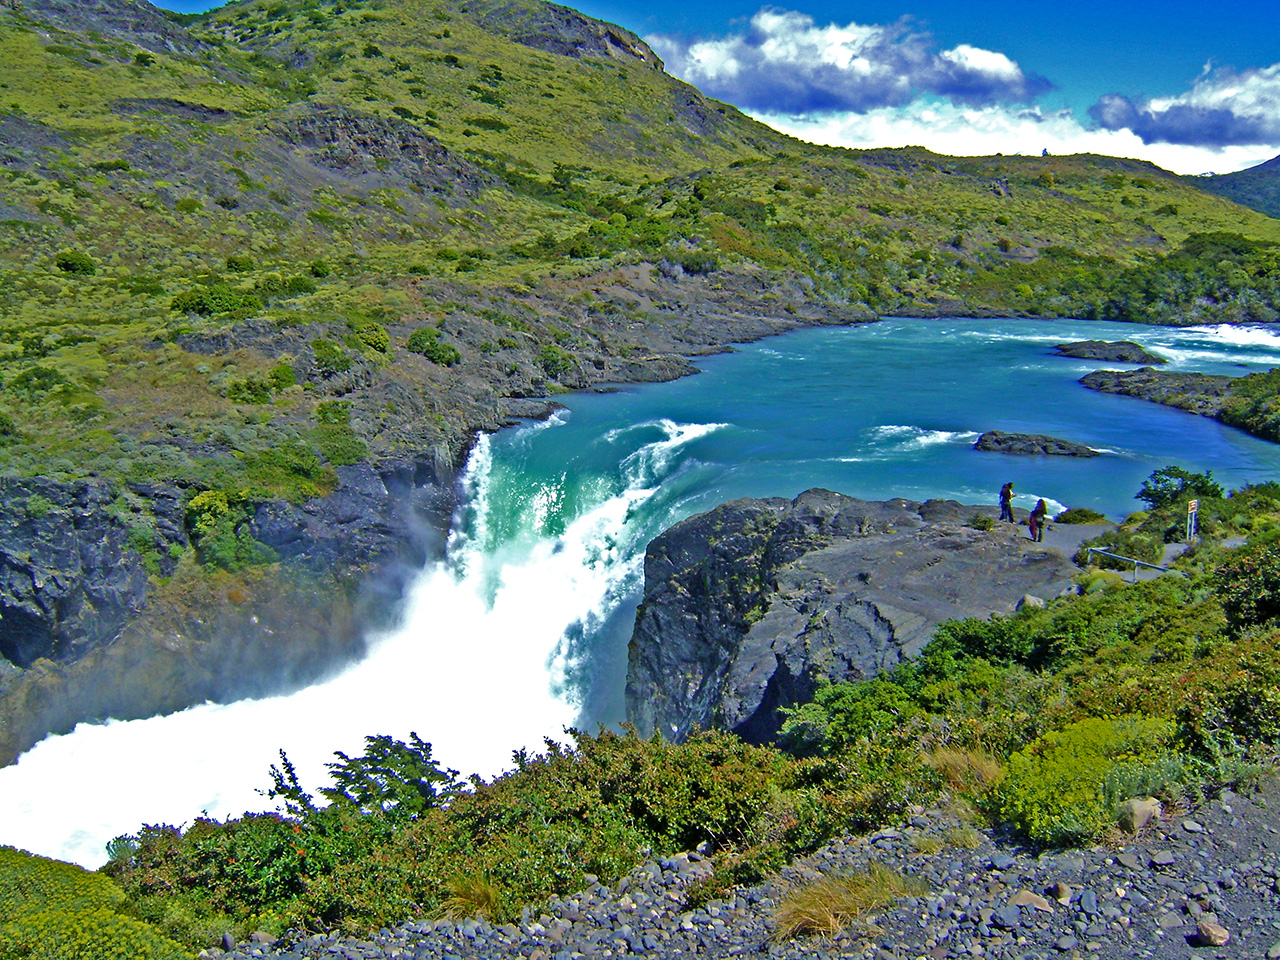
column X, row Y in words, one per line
column 1031, row 444
column 1110, row 351
column 748, row 607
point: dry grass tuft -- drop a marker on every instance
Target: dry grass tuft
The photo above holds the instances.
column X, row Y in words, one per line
column 966, row 838
column 970, row 771
column 827, row 906
column 473, row 895
column 926, row 843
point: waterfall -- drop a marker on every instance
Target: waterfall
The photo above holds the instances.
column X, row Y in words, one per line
column 490, row 657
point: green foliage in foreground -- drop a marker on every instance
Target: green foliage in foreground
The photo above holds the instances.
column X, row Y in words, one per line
column 56, row 911
column 399, row 832
column 1065, row 787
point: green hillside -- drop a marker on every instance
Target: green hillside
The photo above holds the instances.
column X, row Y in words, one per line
column 1257, row 188
column 229, row 190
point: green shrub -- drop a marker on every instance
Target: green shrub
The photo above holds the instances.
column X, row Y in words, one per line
column 75, row 262
column 330, row 357
column 374, row 336
column 282, row 376
column 250, row 389
column 1248, row 585
column 216, row 299
column 1140, row 545
column 94, row 934
column 240, row 263
column 290, row 470
column 269, row 284
column 218, row 524
column 1064, row 788
column 320, row 269
column 298, row 285
column 35, row 383
column 56, row 911
column 555, row 362
column 982, row 521
column 426, row 341
column 188, row 205
column 1080, row 515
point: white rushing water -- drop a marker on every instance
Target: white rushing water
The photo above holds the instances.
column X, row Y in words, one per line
column 478, row 669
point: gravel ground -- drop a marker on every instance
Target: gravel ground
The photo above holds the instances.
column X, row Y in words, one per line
column 1174, row 891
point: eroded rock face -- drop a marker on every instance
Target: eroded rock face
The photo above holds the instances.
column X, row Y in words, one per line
column 69, row 578
column 91, row 625
column 748, row 607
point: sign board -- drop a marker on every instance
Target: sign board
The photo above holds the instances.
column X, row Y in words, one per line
column 1193, row 513
column 1193, row 506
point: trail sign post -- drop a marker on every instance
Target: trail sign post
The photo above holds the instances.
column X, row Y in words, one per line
column 1193, row 512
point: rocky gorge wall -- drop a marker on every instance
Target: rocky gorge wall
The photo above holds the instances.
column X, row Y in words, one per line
column 100, row 617
column 749, row 607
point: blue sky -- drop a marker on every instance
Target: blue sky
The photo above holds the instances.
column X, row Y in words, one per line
column 1194, row 87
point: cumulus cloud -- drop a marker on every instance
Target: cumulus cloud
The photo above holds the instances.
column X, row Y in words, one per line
column 786, row 63
column 958, row 130
column 1223, row 108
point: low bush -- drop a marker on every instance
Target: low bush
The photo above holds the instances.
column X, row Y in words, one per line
column 56, row 911
column 334, row 437
column 1144, row 545
column 374, row 336
column 426, row 342
column 1064, row 788
column 218, row 524
column 75, row 262
column 555, row 362
column 1248, row 584
column 216, row 299
column 331, row 359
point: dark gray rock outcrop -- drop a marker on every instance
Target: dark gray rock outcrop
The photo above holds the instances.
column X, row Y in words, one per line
column 137, row 23
column 1109, row 351
column 98, row 618
column 1200, row 393
column 749, row 607
column 1031, row 444
column 72, row 569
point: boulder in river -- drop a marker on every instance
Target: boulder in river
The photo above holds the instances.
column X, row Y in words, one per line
column 1110, row 351
column 1031, row 444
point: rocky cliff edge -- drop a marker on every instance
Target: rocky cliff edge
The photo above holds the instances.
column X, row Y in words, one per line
column 749, row 607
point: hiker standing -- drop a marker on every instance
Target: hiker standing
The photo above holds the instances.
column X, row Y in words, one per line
column 1037, row 521
column 1006, row 502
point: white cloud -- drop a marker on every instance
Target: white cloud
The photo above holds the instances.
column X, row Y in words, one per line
column 786, row 62
column 1222, row 108
column 956, row 130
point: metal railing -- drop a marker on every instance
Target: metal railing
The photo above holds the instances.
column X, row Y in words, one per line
column 1090, row 551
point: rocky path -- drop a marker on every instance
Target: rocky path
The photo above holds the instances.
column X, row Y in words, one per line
column 1201, row 881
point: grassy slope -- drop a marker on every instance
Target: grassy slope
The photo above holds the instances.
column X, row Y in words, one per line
column 160, row 167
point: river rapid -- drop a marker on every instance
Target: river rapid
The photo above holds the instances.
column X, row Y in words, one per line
column 521, row 630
